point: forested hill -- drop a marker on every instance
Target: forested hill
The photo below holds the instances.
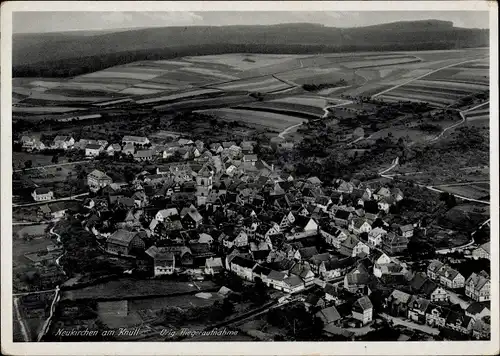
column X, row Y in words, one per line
column 57, row 54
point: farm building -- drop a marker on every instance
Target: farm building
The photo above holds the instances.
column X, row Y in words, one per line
column 482, row 251
column 143, row 155
column 63, row 142
column 42, row 194
column 92, row 150
column 122, row 242
column 97, row 180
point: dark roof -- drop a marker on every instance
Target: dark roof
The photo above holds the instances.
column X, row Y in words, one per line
column 42, row 190
column 261, row 270
column 260, row 254
column 308, row 252
column 329, row 315
column 243, row 262
column 364, row 303
column 342, row 214
column 477, row 307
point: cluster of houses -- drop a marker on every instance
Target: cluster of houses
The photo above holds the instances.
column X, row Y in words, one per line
column 221, row 208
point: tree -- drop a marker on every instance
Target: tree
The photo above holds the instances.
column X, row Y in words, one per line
column 448, row 199
column 55, row 159
column 28, row 164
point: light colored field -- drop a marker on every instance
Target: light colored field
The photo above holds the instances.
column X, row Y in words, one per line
column 315, row 101
column 380, row 62
column 178, row 96
column 175, row 63
column 43, row 109
column 244, row 62
column 120, row 74
column 45, row 84
column 155, row 86
column 394, row 97
column 111, row 87
column 261, row 118
column 210, row 72
column 128, row 288
column 450, row 84
column 266, row 85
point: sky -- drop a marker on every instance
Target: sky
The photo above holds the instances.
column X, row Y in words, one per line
column 37, row 22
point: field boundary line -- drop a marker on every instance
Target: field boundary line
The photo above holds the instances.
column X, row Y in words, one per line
column 424, row 75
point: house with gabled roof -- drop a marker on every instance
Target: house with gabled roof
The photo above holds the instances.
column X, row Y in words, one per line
column 213, row 265
column 332, row 235
column 352, row 247
column 276, row 279
column 436, row 315
column 293, row 284
column 360, row 225
column 450, row 277
column 481, row 330
column 329, row 315
column 394, row 244
column 122, row 242
column 376, row 236
column 63, row 142
column 305, row 253
column 357, row 279
column 362, row 310
column 478, row 310
column 335, row 268
column 417, row 308
column 243, row 267
column 458, row 321
column 42, row 194
column 342, row 218
column 482, row 251
column 477, row 287
column 397, row 303
column 303, row 270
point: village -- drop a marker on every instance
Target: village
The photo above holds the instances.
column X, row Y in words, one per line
column 215, row 209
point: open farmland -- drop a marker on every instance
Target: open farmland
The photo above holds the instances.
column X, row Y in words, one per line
column 258, row 118
column 201, row 78
column 305, row 111
column 132, row 288
column 469, row 191
column 261, row 84
column 441, row 87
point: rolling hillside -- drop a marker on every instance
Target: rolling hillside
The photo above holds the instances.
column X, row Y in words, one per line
column 68, row 54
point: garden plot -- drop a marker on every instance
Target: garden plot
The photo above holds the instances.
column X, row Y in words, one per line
column 258, row 118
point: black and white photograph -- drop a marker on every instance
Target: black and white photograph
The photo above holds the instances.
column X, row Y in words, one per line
column 266, row 176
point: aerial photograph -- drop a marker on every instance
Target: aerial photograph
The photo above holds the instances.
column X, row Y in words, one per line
column 250, row 176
